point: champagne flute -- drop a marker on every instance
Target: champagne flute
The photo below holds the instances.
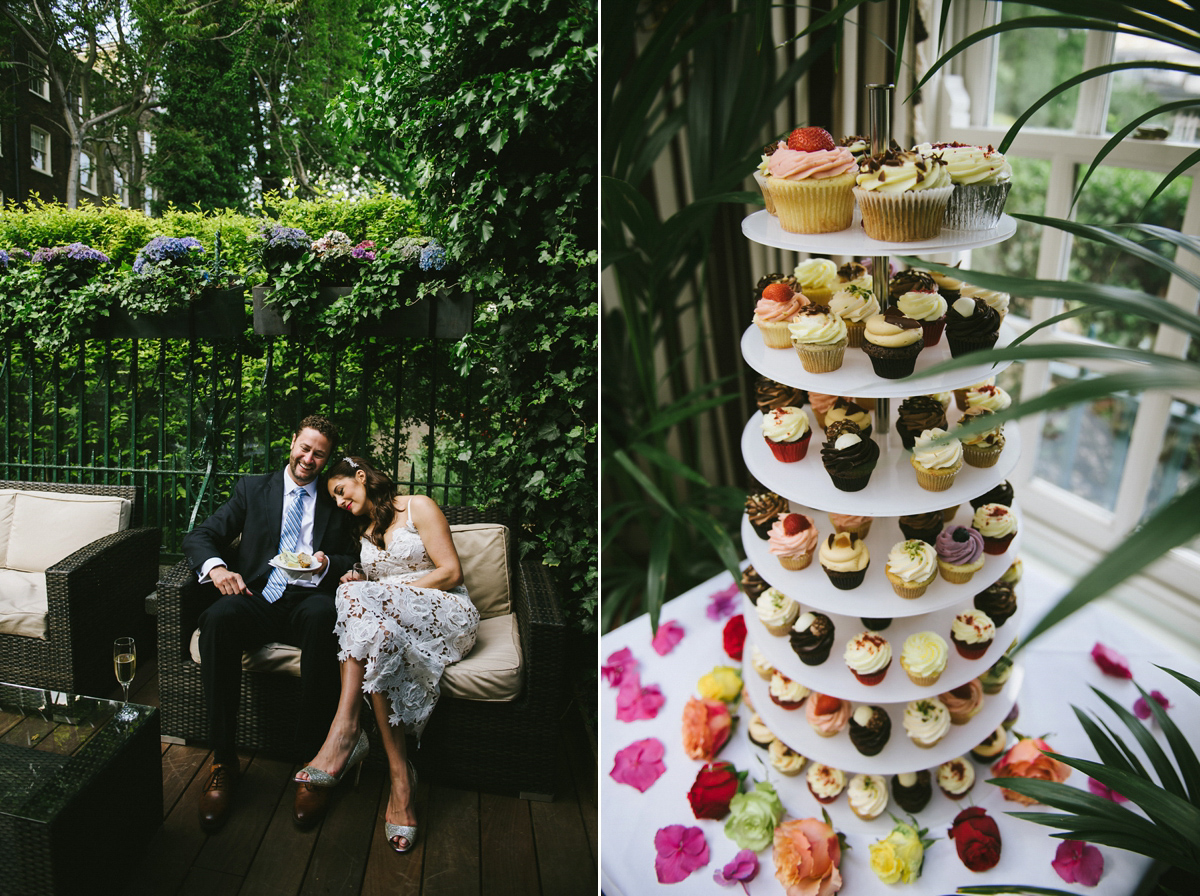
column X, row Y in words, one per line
column 125, row 665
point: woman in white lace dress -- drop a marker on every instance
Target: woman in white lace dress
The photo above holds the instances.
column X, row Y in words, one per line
column 397, row 632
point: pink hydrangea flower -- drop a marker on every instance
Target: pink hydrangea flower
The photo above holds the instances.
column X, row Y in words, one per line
column 1077, row 862
column 619, row 665
column 743, row 868
column 640, row 764
column 1105, row 791
column 680, row 850
column 1111, row 662
column 637, row 702
column 722, row 603
column 669, row 634
column 1141, row 708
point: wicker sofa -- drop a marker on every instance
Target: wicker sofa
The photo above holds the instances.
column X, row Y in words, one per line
column 75, row 568
column 496, row 725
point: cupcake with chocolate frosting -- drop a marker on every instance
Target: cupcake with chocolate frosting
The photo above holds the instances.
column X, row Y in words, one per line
column 917, row 414
column 848, row 456
column 971, row 326
column 1000, row 494
column 870, row 729
column 912, row 790
column 812, row 637
column 910, row 280
column 769, row 394
column 752, row 583
column 763, row 509
column 922, row 526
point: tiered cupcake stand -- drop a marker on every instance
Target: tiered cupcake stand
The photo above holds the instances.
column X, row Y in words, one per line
column 892, row 492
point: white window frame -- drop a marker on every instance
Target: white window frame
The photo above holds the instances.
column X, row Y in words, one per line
column 47, row 153
column 39, row 77
column 1075, row 533
column 90, row 185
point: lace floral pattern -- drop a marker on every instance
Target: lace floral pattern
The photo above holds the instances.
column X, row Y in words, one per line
column 406, row 636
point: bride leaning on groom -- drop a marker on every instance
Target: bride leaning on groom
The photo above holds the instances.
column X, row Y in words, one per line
column 386, row 637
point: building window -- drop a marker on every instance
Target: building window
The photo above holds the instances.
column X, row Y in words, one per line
column 39, row 150
column 39, row 77
column 119, row 187
column 87, row 172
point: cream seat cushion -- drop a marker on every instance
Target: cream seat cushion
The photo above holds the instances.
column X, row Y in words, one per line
column 47, row 527
column 491, row 671
column 23, row 606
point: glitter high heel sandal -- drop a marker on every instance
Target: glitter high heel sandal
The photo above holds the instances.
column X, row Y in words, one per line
column 393, row 832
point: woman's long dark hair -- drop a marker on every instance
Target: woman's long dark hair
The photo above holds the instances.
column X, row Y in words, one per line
column 381, row 492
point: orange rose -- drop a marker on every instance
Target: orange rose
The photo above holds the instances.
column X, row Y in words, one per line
column 807, row 855
column 706, row 727
column 1026, row 760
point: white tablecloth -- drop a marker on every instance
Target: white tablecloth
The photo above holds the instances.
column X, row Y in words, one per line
column 1058, row 674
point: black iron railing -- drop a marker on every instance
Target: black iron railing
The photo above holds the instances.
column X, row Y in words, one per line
column 184, row 419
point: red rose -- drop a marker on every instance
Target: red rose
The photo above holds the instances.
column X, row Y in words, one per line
column 976, row 838
column 734, row 636
column 715, row 786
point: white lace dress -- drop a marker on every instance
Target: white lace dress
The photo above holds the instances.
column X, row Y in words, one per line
column 406, row 636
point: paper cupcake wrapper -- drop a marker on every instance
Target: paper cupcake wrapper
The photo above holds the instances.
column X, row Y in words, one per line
column 824, row 205
column 979, row 456
column 846, row 581
column 821, row 358
column 955, row 576
column 854, row 332
column 775, row 334
column 761, row 180
column 903, row 217
column 935, row 480
column 976, row 206
column 959, row 346
column 790, row 452
column 797, row 562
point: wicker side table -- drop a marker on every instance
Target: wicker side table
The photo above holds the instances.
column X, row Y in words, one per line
column 78, row 790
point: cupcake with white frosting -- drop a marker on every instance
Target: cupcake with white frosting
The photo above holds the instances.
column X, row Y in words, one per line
column 776, row 611
column 868, row 655
column 956, row 777
column 784, row 759
column 924, row 657
column 936, row 465
column 911, row 567
column 998, row 526
column 926, row 721
column 825, row 782
column 867, row 795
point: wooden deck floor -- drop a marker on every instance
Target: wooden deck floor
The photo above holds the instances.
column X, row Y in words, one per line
column 469, row 842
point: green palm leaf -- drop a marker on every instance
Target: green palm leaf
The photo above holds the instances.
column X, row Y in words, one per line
column 1190, row 682
column 656, row 570
column 1155, row 753
column 1108, row 747
column 1181, row 748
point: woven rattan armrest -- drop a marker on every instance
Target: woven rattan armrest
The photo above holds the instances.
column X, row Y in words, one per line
column 543, row 637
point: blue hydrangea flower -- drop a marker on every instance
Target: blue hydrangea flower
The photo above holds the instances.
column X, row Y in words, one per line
column 433, row 258
column 280, row 237
column 3, row 260
column 175, row 251
column 75, row 252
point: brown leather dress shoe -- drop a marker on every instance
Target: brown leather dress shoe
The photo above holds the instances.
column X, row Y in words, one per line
column 311, row 802
column 217, row 797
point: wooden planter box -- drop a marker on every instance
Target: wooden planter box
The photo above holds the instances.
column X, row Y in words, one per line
column 217, row 314
column 448, row 316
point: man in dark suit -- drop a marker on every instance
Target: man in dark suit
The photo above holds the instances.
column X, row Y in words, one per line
column 286, row 510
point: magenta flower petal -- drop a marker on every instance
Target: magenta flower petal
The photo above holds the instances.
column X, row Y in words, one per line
column 1141, row 708
column 637, row 702
column 1107, row 792
column 640, row 764
column 669, row 634
column 723, row 603
column 618, row 666
column 1111, row 662
column 1077, row 862
column 743, row 868
column 680, row 852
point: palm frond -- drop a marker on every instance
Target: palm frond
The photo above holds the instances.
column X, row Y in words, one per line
column 1186, row 680
column 1181, row 748
column 1167, row 775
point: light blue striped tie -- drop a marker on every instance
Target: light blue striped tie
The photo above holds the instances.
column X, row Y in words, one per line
column 288, row 541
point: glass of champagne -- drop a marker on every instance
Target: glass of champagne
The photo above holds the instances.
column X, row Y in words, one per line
column 125, row 665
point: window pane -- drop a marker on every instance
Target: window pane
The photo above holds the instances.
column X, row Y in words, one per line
column 1137, row 91
column 1018, row 257
column 1112, row 196
column 1032, row 61
column 85, row 171
column 37, row 147
column 1083, row 447
column 1178, row 465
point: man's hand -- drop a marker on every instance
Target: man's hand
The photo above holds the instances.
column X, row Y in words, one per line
column 227, row 582
column 321, row 560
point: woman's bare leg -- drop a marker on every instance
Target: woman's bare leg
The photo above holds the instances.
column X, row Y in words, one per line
column 343, row 733
column 402, row 801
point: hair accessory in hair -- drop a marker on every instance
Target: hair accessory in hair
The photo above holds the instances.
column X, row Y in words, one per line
column 351, row 461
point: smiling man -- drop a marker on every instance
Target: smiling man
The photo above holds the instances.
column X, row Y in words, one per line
column 254, row 603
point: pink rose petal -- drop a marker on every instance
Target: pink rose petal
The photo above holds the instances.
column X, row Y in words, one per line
column 1107, row 792
column 1077, row 862
column 1111, row 662
column 723, row 603
column 1141, row 708
column 618, row 666
column 680, row 852
column 669, row 634
column 640, row 764
column 637, row 702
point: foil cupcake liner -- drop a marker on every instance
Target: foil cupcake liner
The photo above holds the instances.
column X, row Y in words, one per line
column 976, row 206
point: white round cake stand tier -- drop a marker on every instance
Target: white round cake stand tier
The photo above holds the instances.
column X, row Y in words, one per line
column 763, row 227
column 833, row 677
column 856, row 376
column 892, row 489
column 874, row 597
column 900, row 754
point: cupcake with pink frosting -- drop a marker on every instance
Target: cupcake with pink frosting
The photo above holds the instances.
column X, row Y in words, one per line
column 793, row 540
column 811, row 182
column 852, row 523
column 776, row 308
column 827, row 715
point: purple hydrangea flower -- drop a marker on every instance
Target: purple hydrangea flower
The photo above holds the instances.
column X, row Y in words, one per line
column 176, row 251
column 433, row 258
column 280, row 237
column 3, row 260
column 364, row 251
column 75, row 252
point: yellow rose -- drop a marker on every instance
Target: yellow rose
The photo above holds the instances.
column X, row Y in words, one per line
column 723, row 683
column 909, row 851
column 884, row 862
